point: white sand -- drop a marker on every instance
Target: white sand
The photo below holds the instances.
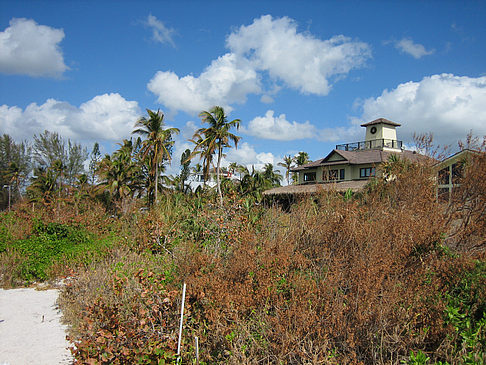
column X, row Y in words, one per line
column 30, row 328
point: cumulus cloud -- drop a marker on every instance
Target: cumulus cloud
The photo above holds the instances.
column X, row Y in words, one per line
column 416, row 50
column 160, row 33
column 300, row 60
column 449, row 106
column 107, row 117
column 28, row 48
column 247, row 156
column 227, row 80
column 267, row 47
column 279, row 128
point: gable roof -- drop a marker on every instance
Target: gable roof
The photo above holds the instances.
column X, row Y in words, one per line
column 463, row 154
column 381, row 120
column 360, row 157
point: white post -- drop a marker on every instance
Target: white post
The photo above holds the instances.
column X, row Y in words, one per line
column 197, row 350
column 180, row 324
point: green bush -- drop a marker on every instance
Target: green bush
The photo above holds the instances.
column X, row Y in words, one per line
column 51, row 244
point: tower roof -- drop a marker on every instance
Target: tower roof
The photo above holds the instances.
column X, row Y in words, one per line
column 381, row 120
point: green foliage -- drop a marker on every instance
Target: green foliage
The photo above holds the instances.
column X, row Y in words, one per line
column 15, row 164
column 50, row 244
column 417, row 359
column 466, row 312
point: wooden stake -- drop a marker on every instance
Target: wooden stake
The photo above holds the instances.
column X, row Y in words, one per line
column 197, row 350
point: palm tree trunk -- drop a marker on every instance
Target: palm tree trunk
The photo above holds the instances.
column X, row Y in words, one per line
column 218, row 183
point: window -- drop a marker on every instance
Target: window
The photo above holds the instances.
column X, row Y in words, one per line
column 332, row 175
column 310, row 176
column 444, row 176
column 366, row 172
column 456, row 172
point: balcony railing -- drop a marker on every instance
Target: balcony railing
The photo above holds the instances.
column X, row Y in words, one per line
column 366, row 145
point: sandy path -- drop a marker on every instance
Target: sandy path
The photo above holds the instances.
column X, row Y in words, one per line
column 30, row 328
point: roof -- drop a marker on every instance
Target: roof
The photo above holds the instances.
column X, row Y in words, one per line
column 381, row 120
column 361, row 157
column 340, row 186
column 456, row 156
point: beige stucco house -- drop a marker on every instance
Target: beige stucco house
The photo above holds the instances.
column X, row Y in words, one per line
column 350, row 165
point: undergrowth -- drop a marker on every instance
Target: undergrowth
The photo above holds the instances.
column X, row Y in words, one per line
column 382, row 277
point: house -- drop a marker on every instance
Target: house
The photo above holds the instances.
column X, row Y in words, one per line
column 196, row 180
column 449, row 173
column 349, row 166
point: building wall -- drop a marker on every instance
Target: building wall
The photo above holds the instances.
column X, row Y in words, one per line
column 351, row 172
column 382, row 132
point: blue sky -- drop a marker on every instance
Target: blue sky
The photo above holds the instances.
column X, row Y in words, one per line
column 302, row 76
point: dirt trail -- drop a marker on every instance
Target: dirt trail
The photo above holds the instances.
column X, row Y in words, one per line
column 30, row 328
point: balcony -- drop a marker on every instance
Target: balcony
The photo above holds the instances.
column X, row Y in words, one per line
column 373, row 144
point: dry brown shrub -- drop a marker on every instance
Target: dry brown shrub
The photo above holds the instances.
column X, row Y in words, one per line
column 333, row 281
column 466, row 212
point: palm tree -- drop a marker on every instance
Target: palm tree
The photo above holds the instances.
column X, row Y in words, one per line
column 287, row 164
column 119, row 174
column 214, row 139
column 232, row 168
column 300, row 159
column 157, row 147
column 271, row 175
column 185, row 171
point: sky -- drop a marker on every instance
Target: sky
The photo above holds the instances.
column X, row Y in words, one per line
column 300, row 75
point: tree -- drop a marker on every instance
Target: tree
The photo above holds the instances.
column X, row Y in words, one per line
column 287, row 164
column 185, row 171
column 15, row 166
column 272, row 176
column 157, row 146
column 43, row 185
column 50, row 147
column 214, row 139
column 94, row 162
column 119, row 174
column 300, row 159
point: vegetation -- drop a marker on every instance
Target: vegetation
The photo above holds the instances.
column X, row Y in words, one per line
column 214, row 139
column 385, row 276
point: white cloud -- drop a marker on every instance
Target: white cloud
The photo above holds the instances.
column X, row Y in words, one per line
column 416, row 50
column 449, row 106
column 160, row 33
column 247, row 156
column 279, row 128
column 266, row 47
column 30, row 49
column 227, row 80
column 106, row 117
column 302, row 61
column 266, row 99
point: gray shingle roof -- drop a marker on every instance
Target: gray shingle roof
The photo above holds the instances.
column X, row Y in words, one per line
column 361, row 157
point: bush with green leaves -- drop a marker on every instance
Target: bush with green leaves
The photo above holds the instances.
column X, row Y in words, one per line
column 51, row 244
